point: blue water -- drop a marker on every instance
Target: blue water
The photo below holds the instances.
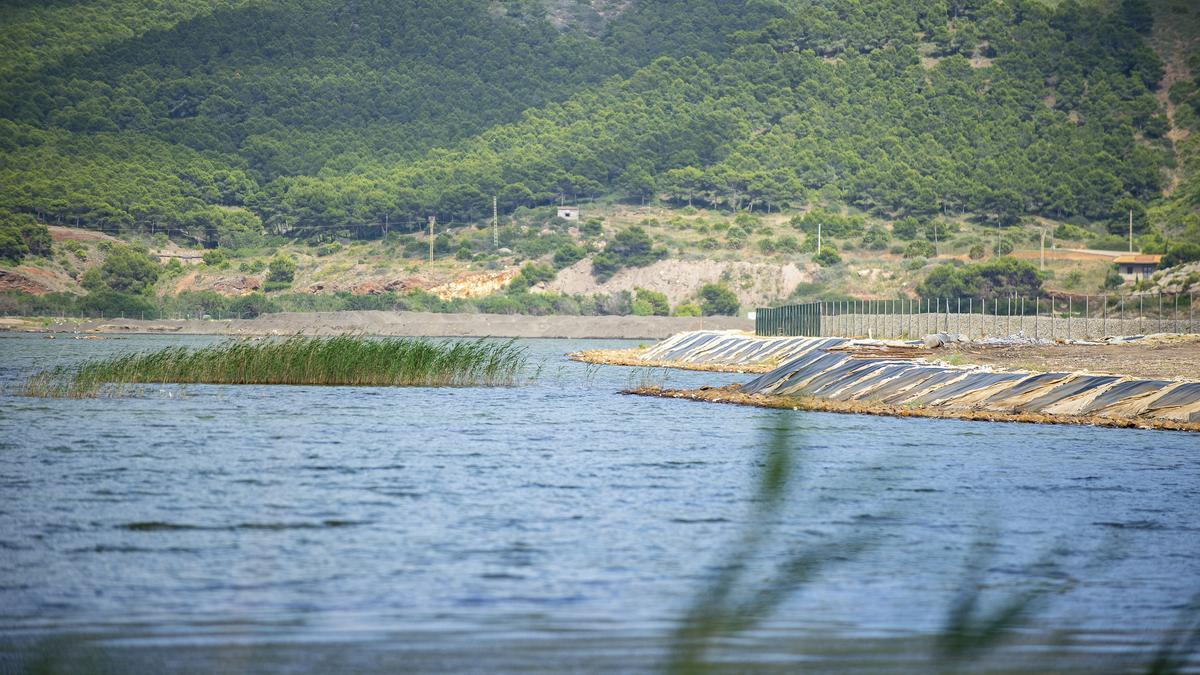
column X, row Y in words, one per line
column 558, row 525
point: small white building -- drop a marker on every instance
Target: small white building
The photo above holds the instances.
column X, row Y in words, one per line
column 568, row 213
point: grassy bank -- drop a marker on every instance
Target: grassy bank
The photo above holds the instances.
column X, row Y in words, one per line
column 343, row 360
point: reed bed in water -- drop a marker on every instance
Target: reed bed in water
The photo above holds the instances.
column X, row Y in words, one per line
column 332, row 361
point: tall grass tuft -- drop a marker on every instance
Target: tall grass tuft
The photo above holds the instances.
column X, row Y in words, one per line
column 345, row 360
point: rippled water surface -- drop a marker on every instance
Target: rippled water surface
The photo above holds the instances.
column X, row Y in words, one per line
column 558, row 525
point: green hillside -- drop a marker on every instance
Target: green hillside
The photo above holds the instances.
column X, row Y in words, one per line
column 242, row 123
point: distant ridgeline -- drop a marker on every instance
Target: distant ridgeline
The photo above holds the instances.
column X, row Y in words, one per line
column 316, row 116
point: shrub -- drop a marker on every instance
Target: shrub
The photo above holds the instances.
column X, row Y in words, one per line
column 1178, row 254
column 787, row 244
column 250, row 306
column 214, row 257
column 76, row 249
column 906, row 228
column 941, row 230
column 204, row 302
column 631, row 247
column 832, row 224
column 736, row 237
column 276, row 286
column 568, row 254
column 920, row 249
column 977, row 252
column 12, row 247
column 282, row 269
column 21, row 235
column 108, row 302
column 650, row 303
column 1109, row 242
column 688, row 309
column 1112, row 279
column 92, row 281
column 718, row 300
column 876, row 238
column 828, row 257
column 999, row 277
column 1072, row 232
column 128, row 270
column 531, row 275
column 613, row 304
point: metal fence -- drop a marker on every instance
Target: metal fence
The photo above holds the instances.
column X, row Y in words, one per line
column 1068, row 317
column 789, row 320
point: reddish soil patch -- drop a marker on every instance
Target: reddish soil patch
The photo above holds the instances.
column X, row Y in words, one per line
column 15, row 281
column 75, row 234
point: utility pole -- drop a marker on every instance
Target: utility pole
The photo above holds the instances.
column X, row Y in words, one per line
column 1043, row 246
column 1131, row 230
column 495, row 224
column 432, row 222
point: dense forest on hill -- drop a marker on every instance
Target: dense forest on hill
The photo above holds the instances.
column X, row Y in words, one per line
column 314, row 117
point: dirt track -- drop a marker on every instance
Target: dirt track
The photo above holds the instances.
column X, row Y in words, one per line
column 417, row 324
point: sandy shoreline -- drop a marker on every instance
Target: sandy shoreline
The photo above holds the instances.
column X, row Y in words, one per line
column 411, row 324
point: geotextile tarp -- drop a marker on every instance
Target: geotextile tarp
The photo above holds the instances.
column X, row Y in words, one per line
column 807, row 368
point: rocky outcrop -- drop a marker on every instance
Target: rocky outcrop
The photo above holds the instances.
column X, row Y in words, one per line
column 476, row 285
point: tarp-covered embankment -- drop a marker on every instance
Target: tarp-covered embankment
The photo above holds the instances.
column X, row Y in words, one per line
column 861, row 376
column 733, row 348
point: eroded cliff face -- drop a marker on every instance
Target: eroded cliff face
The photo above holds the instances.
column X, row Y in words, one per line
column 680, row 280
column 474, row 285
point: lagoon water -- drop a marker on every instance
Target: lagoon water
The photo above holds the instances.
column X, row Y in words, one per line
column 554, row 526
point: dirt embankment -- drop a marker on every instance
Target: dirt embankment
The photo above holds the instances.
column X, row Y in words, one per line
column 1170, row 357
column 416, row 324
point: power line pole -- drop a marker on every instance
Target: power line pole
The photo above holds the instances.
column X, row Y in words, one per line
column 495, row 224
column 1043, row 246
column 432, row 222
column 1131, row 230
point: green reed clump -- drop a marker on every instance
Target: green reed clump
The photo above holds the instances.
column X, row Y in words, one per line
column 344, row 360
